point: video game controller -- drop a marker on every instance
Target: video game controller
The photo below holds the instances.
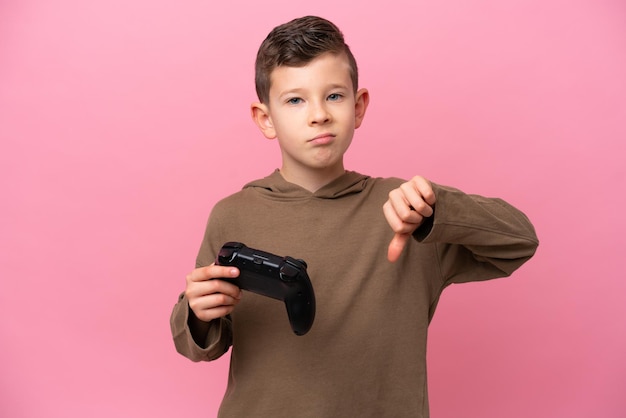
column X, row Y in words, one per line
column 282, row 278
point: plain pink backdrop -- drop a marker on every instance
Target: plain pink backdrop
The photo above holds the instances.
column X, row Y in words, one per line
column 122, row 122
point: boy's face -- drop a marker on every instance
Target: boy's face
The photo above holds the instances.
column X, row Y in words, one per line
column 313, row 112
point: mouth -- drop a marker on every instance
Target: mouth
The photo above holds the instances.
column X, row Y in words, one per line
column 322, row 139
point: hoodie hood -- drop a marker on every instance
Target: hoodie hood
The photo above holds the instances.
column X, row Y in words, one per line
column 276, row 186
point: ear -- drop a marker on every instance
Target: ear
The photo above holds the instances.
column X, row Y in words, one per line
column 261, row 116
column 362, row 100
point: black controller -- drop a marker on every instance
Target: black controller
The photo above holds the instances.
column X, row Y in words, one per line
column 282, row 278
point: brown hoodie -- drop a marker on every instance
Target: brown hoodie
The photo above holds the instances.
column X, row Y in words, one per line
column 365, row 355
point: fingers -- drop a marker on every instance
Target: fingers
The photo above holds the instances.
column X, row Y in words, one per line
column 401, row 218
column 212, row 272
column 403, row 227
column 418, row 195
column 405, row 211
column 213, row 306
column 409, row 204
column 396, row 246
column 210, row 298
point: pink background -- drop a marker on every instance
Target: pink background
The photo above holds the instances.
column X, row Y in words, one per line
column 122, row 122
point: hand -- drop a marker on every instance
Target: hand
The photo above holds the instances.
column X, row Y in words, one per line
column 405, row 211
column 210, row 298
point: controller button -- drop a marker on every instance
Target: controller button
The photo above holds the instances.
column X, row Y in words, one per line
column 296, row 262
column 288, row 272
column 226, row 255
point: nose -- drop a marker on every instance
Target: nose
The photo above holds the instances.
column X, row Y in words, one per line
column 318, row 113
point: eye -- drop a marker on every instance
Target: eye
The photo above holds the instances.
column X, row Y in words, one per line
column 334, row 97
column 294, row 100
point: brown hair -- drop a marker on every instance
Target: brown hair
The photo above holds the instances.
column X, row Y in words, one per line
column 295, row 44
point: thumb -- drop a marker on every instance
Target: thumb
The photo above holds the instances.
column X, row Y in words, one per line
column 396, row 246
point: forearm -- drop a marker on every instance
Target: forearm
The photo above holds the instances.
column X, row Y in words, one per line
column 477, row 237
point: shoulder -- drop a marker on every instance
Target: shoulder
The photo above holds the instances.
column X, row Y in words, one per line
column 231, row 203
column 383, row 185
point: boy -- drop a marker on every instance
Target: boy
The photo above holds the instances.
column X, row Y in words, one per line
column 379, row 252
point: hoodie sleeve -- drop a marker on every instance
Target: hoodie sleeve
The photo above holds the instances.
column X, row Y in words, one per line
column 219, row 336
column 215, row 344
column 477, row 238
